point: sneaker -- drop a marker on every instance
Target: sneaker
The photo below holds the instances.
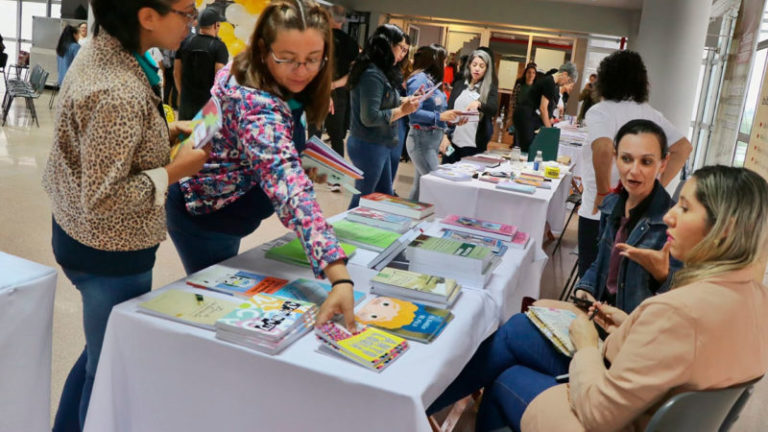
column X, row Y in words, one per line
column 334, row 187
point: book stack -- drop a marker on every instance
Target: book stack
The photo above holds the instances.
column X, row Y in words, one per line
column 366, row 346
column 404, row 318
column 534, row 180
column 483, row 160
column 516, row 187
column 469, row 264
column 364, row 236
column 196, row 308
column 434, row 291
column 479, row 227
column 319, row 155
column 292, row 252
column 497, row 246
column 312, row 291
column 554, row 324
column 397, row 205
column 521, row 240
column 379, row 219
column 233, row 281
column 268, row 324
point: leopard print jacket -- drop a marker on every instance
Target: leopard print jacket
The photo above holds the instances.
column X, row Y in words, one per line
column 108, row 130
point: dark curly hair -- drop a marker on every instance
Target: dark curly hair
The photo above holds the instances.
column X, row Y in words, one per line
column 378, row 51
column 622, row 76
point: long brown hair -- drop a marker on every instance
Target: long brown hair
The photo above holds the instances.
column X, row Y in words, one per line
column 250, row 68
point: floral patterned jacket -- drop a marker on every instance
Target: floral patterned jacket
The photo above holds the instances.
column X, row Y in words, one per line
column 255, row 149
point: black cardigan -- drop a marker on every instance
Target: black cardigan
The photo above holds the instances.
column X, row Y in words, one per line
column 487, row 111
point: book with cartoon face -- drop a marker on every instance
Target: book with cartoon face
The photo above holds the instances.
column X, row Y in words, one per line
column 403, row 318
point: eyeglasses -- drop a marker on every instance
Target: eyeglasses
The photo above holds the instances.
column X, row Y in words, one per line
column 403, row 48
column 190, row 16
column 312, row 65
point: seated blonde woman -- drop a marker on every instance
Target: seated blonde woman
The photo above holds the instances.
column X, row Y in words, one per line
column 709, row 331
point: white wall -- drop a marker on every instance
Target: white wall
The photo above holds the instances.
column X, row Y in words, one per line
column 533, row 13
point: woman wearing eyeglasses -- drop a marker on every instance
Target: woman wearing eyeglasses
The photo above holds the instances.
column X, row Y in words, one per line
column 375, row 106
column 109, row 169
column 254, row 168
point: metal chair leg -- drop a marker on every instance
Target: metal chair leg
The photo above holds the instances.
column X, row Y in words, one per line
column 570, row 283
column 560, row 238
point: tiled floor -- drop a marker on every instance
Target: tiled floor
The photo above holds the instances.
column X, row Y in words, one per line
column 25, row 232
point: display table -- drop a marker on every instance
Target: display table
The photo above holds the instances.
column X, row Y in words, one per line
column 156, row 374
column 26, row 323
column 479, row 199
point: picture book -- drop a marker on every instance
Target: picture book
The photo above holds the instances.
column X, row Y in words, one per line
column 521, row 240
column 367, row 346
column 317, row 146
column 397, row 205
column 480, row 227
column 292, row 252
column 190, row 307
column 404, row 318
column 206, row 123
column 268, row 317
column 310, row 291
column 429, row 289
column 230, row 280
column 364, row 236
column 554, row 324
column 497, row 246
column 338, row 170
column 379, row 219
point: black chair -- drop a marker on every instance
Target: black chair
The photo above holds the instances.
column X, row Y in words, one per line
column 575, row 199
column 709, row 410
column 29, row 92
column 570, row 283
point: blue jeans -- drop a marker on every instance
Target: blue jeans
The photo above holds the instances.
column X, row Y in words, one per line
column 397, row 152
column 375, row 161
column 515, row 365
column 198, row 248
column 423, row 146
column 100, row 294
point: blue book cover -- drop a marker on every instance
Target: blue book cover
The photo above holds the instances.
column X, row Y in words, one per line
column 311, row 291
column 403, row 318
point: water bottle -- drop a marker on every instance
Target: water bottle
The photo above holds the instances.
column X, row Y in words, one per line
column 515, row 156
column 500, row 125
column 538, row 161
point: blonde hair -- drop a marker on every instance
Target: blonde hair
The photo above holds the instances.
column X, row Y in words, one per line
column 736, row 201
column 404, row 317
column 250, row 68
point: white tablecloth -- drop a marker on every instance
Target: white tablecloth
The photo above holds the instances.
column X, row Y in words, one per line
column 482, row 200
column 26, row 322
column 158, row 375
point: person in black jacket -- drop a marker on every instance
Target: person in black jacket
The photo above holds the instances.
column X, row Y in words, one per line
column 478, row 91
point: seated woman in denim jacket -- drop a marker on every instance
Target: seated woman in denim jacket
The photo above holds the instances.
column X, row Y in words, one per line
column 633, row 260
column 429, row 121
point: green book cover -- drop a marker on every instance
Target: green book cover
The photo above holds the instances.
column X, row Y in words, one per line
column 416, row 281
column 451, row 247
column 364, row 235
column 293, row 253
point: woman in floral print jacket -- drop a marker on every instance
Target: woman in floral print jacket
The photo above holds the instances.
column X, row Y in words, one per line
column 254, row 167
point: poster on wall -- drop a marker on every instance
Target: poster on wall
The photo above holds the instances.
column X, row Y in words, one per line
column 735, row 81
column 757, row 151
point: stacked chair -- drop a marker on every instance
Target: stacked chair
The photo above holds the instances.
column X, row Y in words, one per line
column 29, row 89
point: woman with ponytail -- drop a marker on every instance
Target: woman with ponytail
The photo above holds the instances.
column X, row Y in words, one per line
column 254, row 168
column 375, row 105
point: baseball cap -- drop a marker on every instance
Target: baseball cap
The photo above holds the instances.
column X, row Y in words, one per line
column 209, row 17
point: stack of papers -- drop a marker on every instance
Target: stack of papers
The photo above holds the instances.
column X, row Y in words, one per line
column 431, row 290
column 470, row 264
column 268, row 324
column 379, row 219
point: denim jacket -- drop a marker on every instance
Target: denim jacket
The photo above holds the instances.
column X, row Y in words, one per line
column 650, row 232
column 428, row 114
column 371, row 103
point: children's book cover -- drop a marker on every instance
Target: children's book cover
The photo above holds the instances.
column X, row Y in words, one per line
column 406, row 319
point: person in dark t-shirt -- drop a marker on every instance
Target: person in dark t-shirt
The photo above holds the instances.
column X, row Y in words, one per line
column 197, row 62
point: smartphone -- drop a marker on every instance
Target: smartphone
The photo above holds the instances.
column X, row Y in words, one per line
column 581, row 303
column 449, row 151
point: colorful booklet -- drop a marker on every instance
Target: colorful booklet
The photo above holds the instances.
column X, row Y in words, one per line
column 339, row 170
column 268, row 324
column 404, row 318
column 554, row 324
column 310, row 291
column 479, row 227
column 367, row 346
column 233, row 281
column 397, row 205
column 521, row 240
column 195, row 308
column 431, row 290
column 206, row 123
column 428, row 92
column 497, row 246
column 292, row 252
column 364, row 236
column 379, row 219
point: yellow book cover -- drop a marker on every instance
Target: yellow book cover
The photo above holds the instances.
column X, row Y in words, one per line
column 190, row 307
column 372, row 345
